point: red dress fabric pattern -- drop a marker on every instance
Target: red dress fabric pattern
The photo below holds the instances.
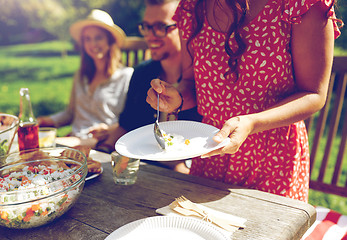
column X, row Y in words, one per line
column 276, row 160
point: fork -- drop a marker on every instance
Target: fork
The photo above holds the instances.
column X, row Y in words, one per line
column 227, row 225
column 157, row 132
column 186, row 212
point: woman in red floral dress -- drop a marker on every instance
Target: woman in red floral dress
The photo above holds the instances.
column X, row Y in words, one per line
column 258, row 67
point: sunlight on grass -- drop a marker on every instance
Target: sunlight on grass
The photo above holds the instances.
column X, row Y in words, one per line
column 48, row 77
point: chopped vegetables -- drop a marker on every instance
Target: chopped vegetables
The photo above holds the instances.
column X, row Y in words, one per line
column 31, row 183
column 175, row 141
column 3, row 147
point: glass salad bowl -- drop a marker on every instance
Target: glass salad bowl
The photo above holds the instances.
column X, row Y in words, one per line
column 8, row 127
column 39, row 185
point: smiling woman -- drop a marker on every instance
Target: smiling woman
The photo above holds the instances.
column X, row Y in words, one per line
column 101, row 84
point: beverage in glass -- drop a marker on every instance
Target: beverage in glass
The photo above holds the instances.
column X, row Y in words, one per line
column 124, row 169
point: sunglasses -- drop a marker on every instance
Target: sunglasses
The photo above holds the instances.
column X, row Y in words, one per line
column 158, row 29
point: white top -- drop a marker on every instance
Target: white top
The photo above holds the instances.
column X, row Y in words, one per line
column 87, row 109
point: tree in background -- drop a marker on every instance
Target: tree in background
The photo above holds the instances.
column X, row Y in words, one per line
column 39, row 20
column 127, row 14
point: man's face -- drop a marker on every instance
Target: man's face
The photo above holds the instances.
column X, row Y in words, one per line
column 162, row 47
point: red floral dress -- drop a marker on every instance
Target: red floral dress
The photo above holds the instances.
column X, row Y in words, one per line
column 277, row 160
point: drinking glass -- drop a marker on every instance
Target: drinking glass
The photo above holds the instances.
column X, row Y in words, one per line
column 124, row 169
column 47, row 136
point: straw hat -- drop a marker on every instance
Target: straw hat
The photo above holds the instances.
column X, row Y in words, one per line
column 101, row 19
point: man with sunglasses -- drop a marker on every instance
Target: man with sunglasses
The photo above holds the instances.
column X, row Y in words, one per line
column 161, row 34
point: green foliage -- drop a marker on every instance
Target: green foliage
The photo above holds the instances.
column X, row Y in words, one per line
column 331, row 201
column 127, row 14
column 39, row 20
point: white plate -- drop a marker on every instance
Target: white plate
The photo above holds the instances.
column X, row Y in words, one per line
column 168, row 228
column 94, row 175
column 141, row 143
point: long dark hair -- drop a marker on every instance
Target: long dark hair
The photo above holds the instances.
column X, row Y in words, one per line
column 113, row 60
column 339, row 22
column 239, row 9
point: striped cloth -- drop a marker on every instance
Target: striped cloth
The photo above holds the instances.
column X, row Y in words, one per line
column 329, row 225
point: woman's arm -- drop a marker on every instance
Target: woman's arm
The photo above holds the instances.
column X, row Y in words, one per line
column 64, row 117
column 312, row 52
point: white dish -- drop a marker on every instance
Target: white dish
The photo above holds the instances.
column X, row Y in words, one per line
column 168, row 228
column 94, row 175
column 141, row 144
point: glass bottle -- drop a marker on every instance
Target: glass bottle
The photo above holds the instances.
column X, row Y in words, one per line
column 28, row 130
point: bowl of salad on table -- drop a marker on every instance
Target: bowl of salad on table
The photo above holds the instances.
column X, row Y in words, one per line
column 39, row 185
column 8, row 127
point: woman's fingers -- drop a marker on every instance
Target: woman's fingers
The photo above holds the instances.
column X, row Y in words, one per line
column 228, row 127
column 236, row 130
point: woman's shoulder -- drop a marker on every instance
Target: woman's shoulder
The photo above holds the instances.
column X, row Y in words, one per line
column 123, row 71
column 293, row 10
column 126, row 70
column 122, row 74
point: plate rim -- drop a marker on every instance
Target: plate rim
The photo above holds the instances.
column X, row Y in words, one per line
column 94, row 175
column 188, row 222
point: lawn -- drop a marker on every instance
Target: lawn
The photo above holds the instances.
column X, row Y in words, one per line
column 40, row 68
column 48, row 75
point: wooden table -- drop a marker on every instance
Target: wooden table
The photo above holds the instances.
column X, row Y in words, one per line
column 104, row 206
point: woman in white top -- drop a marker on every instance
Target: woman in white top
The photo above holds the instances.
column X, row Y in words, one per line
column 100, row 85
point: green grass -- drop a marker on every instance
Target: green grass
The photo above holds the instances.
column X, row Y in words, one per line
column 317, row 198
column 42, row 69
column 48, row 75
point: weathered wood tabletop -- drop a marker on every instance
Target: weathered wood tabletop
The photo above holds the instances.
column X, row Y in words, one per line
column 104, row 206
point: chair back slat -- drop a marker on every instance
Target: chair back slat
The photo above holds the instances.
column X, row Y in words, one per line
column 341, row 154
column 333, row 125
column 135, row 51
column 330, row 123
column 321, row 123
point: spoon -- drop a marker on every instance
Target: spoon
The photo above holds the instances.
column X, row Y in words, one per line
column 157, row 132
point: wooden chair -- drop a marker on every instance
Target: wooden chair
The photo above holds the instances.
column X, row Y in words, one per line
column 331, row 122
column 135, row 51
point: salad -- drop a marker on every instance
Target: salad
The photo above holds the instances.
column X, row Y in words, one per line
column 175, row 141
column 44, row 182
column 3, row 147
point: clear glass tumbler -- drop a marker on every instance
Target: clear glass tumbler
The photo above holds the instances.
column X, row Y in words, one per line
column 124, row 169
column 47, row 136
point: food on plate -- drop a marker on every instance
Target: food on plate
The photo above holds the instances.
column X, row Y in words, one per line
column 93, row 166
column 175, row 141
